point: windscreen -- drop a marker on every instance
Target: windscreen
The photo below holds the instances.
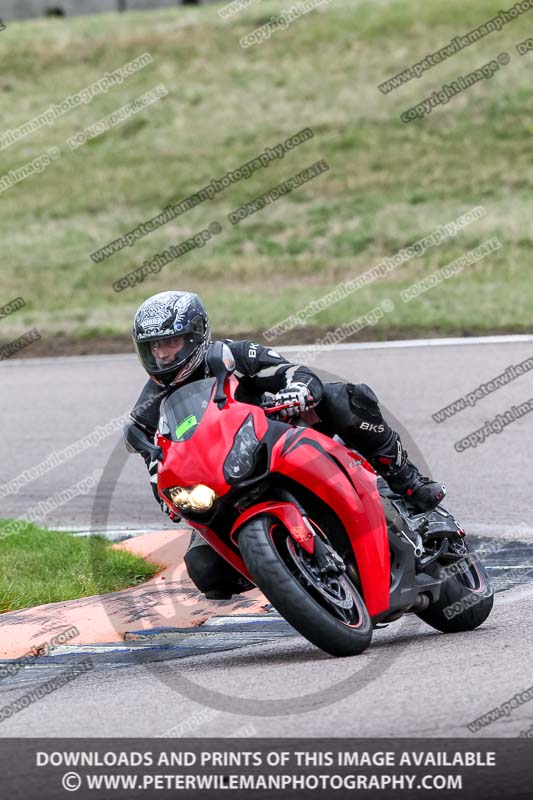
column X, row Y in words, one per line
column 182, row 411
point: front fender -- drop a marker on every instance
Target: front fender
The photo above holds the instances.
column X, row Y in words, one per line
column 287, row 513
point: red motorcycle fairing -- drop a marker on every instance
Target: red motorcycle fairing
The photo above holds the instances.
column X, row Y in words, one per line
column 348, row 485
column 287, row 513
column 338, row 476
column 186, row 464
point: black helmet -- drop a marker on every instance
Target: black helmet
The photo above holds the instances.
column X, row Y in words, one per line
column 165, row 315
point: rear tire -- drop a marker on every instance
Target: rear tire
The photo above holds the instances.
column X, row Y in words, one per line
column 465, row 601
column 272, row 556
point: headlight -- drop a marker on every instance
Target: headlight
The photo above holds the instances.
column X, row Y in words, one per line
column 240, row 461
column 197, row 498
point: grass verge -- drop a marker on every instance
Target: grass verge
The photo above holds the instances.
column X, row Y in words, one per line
column 43, row 566
column 389, row 183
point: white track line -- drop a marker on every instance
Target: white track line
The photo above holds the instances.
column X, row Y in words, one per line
column 295, row 348
column 500, row 530
column 516, row 595
column 120, row 533
column 487, row 531
column 451, row 342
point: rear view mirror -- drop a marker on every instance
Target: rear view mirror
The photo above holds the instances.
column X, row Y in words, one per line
column 221, row 364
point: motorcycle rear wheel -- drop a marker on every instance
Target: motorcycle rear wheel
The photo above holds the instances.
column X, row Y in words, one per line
column 465, row 601
column 326, row 609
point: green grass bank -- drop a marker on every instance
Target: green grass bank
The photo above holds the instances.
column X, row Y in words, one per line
column 389, row 183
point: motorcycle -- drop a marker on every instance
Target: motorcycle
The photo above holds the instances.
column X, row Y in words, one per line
column 307, row 520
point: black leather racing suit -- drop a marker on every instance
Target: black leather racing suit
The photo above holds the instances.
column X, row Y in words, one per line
column 349, row 410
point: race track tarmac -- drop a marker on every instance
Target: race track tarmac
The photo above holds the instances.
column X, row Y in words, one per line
column 412, row 681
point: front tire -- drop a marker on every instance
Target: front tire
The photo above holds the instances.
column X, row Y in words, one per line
column 331, row 616
column 465, row 601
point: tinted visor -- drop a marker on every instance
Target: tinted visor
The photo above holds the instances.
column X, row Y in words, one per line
column 162, row 356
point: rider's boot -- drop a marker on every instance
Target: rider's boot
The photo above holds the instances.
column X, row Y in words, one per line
column 404, row 477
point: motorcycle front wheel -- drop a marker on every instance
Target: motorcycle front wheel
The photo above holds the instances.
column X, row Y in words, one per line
column 326, row 609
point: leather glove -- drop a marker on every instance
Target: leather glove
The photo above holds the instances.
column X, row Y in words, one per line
column 152, row 469
column 294, row 392
column 166, row 510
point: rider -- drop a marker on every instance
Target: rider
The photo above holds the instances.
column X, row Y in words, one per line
column 172, row 338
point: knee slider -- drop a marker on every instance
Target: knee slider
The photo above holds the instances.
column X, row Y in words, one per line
column 363, row 399
column 201, row 563
column 208, row 570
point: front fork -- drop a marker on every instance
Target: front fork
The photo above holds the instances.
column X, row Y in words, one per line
column 291, row 514
column 327, row 558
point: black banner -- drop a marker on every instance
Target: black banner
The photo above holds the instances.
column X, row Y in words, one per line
column 204, row 769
